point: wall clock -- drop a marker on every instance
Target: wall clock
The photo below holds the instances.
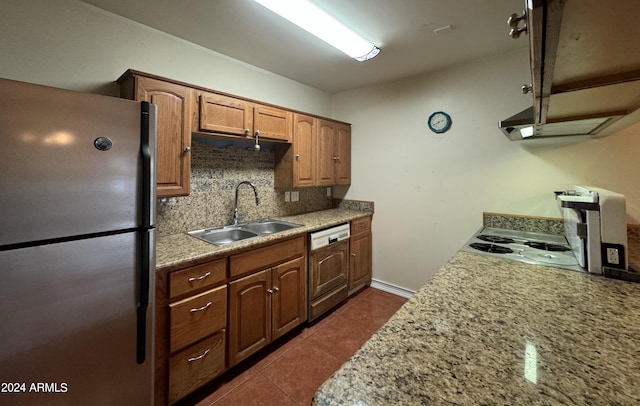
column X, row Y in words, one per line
column 439, row 122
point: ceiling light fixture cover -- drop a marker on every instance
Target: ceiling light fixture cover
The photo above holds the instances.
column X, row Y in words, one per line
column 316, row 21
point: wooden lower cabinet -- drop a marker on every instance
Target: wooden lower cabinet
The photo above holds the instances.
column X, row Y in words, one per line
column 191, row 368
column 211, row 316
column 265, row 305
column 360, row 254
column 191, row 324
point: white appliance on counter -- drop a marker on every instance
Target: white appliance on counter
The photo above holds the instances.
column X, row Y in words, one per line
column 595, row 226
column 77, row 252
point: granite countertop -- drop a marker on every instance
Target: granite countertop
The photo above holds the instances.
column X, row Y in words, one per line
column 487, row 330
column 179, row 250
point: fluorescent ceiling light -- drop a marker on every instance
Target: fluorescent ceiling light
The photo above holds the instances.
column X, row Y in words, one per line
column 311, row 18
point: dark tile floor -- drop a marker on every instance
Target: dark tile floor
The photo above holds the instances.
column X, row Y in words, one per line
column 291, row 370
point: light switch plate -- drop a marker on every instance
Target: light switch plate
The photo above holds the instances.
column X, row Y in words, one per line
column 287, row 196
column 295, row 196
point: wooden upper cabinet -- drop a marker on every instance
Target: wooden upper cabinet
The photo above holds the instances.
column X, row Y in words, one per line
column 173, row 160
column 225, row 114
column 304, row 138
column 272, row 123
column 229, row 115
column 342, row 150
column 324, row 153
column 333, row 153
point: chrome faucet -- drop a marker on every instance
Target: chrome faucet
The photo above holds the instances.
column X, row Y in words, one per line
column 235, row 210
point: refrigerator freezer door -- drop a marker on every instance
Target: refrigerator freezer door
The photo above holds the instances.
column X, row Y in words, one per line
column 70, row 163
column 68, row 320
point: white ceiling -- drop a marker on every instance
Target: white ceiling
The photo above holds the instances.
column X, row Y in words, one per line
column 402, row 29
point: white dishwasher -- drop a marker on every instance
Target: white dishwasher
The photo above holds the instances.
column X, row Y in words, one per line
column 328, row 269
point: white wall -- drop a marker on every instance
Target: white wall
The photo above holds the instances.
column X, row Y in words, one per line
column 430, row 190
column 70, row 44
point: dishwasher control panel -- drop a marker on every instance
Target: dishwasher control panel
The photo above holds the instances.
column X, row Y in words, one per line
column 329, row 236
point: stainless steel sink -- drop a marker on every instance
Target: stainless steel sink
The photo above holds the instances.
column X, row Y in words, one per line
column 231, row 234
column 264, row 227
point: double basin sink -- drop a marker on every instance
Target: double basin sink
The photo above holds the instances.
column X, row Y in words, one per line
column 230, row 234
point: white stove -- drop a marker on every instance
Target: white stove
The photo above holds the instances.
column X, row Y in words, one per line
column 524, row 246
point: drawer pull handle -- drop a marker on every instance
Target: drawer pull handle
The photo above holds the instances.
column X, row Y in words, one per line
column 199, row 278
column 199, row 357
column 199, row 309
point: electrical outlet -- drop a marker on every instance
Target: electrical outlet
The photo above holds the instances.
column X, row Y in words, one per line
column 295, row 196
column 287, row 196
column 613, row 256
column 328, row 191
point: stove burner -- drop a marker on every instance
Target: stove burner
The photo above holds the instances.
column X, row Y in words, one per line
column 496, row 249
column 495, row 239
column 546, row 246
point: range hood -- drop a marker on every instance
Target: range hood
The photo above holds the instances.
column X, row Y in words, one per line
column 522, row 126
column 585, row 76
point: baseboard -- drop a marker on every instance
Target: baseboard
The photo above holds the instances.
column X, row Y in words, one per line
column 388, row 287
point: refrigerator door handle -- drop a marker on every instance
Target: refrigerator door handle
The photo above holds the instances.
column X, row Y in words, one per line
column 147, row 151
column 146, row 255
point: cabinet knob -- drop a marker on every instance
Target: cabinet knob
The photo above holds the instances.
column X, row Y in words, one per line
column 353, row 254
column 514, row 21
column 336, row 158
column 257, row 133
column 276, row 289
column 297, row 157
column 187, row 149
column 269, row 291
column 246, row 131
column 526, row 89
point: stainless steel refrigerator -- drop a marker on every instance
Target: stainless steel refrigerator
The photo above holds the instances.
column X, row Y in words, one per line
column 77, row 193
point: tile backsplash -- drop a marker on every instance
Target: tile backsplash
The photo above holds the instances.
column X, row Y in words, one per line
column 215, row 172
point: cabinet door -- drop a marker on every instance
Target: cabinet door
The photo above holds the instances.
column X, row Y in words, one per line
column 324, row 153
column 329, row 268
column 342, row 150
column 224, row 114
column 249, row 315
column 289, row 296
column 304, row 138
column 360, row 260
column 173, row 163
column 273, row 123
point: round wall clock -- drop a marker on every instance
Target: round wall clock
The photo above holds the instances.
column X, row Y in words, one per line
column 439, row 122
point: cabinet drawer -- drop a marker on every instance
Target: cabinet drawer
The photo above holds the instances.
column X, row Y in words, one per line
column 266, row 256
column 361, row 225
column 195, row 366
column 196, row 317
column 196, row 278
